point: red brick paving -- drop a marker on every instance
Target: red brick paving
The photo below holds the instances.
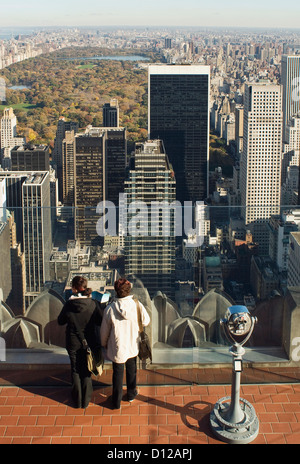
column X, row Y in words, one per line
column 159, row 415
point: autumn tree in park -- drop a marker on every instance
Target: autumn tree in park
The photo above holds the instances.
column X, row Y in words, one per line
column 76, row 89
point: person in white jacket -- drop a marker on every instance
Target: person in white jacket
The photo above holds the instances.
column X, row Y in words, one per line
column 119, row 336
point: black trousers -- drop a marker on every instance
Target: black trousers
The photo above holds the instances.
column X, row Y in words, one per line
column 82, row 386
column 118, row 373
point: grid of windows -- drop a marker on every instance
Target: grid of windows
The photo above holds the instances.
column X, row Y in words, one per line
column 261, row 156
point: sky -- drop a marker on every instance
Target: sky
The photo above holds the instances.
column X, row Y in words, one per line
column 204, row 13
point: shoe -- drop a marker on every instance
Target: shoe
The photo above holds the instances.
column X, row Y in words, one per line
column 130, row 399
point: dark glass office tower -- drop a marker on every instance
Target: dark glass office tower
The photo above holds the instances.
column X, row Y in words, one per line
column 30, row 157
column 57, row 154
column 115, row 162
column 89, row 184
column 116, row 149
column 111, row 113
column 178, row 114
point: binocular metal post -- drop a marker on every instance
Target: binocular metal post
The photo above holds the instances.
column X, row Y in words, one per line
column 233, row 419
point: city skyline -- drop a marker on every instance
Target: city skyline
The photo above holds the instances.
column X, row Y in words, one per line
column 130, row 13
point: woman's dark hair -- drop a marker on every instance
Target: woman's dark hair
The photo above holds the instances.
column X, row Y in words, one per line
column 80, row 284
column 122, row 288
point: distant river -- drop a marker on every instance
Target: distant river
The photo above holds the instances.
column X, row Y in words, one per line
column 115, row 58
column 7, row 33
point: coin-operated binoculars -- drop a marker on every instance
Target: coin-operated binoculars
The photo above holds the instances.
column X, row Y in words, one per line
column 233, row 419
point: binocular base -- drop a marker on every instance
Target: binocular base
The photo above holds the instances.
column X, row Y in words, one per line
column 243, row 432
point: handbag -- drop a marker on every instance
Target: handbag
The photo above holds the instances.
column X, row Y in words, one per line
column 94, row 358
column 144, row 342
column 95, row 362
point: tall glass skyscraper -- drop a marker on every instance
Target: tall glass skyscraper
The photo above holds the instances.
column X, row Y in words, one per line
column 36, row 232
column 290, row 80
column 178, row 114
column 89, row 184
column 150, row 250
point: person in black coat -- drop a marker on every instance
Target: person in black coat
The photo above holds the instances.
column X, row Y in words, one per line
column 83, row 313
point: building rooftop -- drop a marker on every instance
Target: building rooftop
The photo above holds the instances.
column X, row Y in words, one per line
column 23, row 173
column 212, row 261
column 31, row 147
column 36, row 178
column 296, row 236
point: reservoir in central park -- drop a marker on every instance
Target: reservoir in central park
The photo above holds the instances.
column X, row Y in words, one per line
column 112, row 57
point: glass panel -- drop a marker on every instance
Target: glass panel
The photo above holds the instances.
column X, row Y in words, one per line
column 186, row 283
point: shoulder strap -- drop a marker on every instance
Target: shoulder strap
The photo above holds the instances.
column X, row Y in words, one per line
column 139, row 318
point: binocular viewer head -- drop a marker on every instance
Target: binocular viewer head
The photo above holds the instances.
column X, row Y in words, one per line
column 238, row 322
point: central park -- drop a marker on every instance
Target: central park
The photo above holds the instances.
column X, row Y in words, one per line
column 76, row 87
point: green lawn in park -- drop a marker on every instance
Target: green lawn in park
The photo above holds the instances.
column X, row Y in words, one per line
column 86, row 66
column 19, row 106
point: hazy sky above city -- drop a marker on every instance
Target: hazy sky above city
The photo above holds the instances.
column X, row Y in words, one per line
column 256, row 13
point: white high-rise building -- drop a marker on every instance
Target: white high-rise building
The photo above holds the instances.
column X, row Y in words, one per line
column 8, row 127
column 8, row 136
column 261, row 159
column 290, row 80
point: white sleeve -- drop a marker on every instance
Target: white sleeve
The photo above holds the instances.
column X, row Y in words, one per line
column 145, row 315
column 105, row 327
